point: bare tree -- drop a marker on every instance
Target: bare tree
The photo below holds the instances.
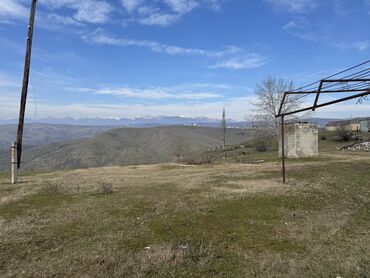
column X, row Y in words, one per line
column 269, row 94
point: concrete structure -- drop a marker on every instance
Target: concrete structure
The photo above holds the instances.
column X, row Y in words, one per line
column 354, row 125
column 301, row 140
column 365, row 126
column 336, row 125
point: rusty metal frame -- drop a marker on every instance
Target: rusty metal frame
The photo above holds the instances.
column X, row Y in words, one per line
column 357, row 82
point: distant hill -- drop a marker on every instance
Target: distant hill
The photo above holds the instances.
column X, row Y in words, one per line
column 321, row 122
column 39, row 134
column 123, row 122
column 126, row 146
column 151, row 121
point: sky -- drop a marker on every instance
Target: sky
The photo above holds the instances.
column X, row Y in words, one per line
column 134, row 58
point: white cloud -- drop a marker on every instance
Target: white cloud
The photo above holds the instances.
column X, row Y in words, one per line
column 131, row 5
column 7, row 82
column 359, row 45
column 248, row 61
column 10, row 9
column 304, row 29
column 90, row 11
column 93, row 12
column 187, row 92
column 164, row 12
column 190, row 106
column 230, row 57
column 236, row 108
column 55, row 21
column 292, row 25
column 160, row 19
column 182, row 6
column 146, row 12
column 295, row 6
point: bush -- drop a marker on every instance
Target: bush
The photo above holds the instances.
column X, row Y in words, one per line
column 346, row 136
column 262, row 146
column 104, row 187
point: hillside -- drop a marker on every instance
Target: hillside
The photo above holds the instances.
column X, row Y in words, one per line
column 39, row 134
column 174, row 220
column 126, row 146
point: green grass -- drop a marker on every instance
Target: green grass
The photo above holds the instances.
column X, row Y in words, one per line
column 174, row 221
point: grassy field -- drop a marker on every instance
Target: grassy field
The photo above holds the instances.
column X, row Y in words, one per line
column 224, row 219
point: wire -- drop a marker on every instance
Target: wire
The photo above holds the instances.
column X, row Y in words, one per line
column 343, row 71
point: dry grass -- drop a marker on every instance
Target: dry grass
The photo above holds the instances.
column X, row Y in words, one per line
column 172, row 220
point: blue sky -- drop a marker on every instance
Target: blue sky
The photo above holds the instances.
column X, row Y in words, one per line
column 132, row 58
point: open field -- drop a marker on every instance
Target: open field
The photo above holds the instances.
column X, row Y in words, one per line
column 169, row 220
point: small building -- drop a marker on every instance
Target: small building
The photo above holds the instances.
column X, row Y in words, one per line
column 301, row 140
column 336, row 125
column 353, row 125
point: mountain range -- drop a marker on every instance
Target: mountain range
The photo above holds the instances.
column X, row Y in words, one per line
column 148, row 121
column 41, row 134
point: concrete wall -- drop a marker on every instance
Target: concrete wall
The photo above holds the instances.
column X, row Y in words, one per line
column 365, row 126
column 354, row 127
column 332, row 128
column 350, row 127
column 301, row 140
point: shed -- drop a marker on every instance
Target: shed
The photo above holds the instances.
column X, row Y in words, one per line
column 301, row 140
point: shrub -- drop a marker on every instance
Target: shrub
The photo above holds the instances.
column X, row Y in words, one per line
column 346, row 136
column 262, row 146
column 104, row 187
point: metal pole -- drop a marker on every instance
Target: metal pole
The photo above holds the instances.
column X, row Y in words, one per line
column 26, row 76
column 283, row 148
column 14, row 174
column 318, row 95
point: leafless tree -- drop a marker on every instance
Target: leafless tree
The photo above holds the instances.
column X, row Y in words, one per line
column 269, row 94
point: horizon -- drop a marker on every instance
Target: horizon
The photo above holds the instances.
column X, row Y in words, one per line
column 209, row 120
column 129, row 58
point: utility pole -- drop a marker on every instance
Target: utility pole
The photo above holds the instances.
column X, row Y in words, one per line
column 223, row 132
column 26, row 77
column 14, row 175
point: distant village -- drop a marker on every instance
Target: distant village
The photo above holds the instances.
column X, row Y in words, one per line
column 355, row 125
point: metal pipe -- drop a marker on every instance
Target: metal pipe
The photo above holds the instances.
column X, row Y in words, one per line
column 282, row 104
column 325, row 104
column 283, row 148
column 326, row 91
column 317, row 96
column 346, row 80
